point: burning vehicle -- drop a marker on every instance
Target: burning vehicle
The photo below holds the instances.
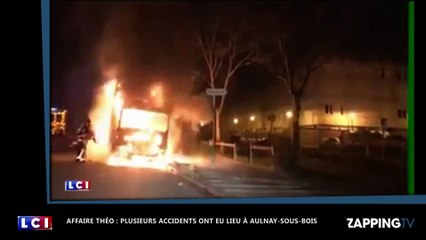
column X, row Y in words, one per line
column 142, row 127
column 141, row 131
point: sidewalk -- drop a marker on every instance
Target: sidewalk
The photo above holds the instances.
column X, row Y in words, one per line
column 61, row 143
column 358, row 176
column 314, row 177
column 230, row 178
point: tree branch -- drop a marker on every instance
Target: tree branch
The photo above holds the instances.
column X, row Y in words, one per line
column 249, row 58
column 284, row 61
column 311, row 69
column 286, row 83
column 232, row 49
column 216, row 55
column 213, row 45
column 203, row 50
column 218, row 65
column 205, row 53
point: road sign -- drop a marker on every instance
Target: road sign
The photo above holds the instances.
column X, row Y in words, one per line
column 216, row 91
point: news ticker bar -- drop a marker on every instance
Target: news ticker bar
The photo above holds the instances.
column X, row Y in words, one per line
column 46, row 222
column 191, row 220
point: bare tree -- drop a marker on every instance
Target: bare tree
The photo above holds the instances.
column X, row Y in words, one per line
column 296, row 82
column 271, row 118
column 311, row 41
column 224, row 51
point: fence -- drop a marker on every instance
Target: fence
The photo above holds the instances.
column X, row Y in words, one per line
column 269, row 149
column 231, row 145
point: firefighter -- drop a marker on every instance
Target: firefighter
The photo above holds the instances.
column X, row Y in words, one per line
column 84, row 135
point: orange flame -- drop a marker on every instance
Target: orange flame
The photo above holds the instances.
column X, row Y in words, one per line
column 157, row 95
column 101, row 116
column 118, row 104
column 144, row 120
column 109, row 108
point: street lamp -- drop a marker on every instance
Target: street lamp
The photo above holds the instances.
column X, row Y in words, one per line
column 235, row 120
column 289, row 115
column 252, row 118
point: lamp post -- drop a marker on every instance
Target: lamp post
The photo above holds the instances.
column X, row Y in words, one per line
column 252, row 118
column 235, row 121
column 289, row 115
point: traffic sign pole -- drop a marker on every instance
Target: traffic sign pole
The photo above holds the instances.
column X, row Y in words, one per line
column 213, row 131
column 213, row 92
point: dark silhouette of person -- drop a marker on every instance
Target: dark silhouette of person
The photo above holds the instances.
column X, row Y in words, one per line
column 85, row 133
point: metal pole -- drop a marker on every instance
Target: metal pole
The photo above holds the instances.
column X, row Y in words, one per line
column 214, row 132
column 250, row 152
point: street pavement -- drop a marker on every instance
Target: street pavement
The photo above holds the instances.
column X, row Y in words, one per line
column 228, row 178
column 234, row 178
column 114, row 183
column 197, row 179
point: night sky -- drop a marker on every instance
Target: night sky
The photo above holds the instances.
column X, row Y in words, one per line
column 146, row 42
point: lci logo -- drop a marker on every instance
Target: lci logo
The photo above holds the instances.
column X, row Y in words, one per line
column 34, row 222
column 77, row 185
column 395, row 223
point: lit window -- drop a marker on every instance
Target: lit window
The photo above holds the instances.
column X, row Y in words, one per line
column 328, row 109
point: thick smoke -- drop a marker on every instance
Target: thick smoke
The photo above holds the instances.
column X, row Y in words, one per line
column 132, row 50
column 195, row 109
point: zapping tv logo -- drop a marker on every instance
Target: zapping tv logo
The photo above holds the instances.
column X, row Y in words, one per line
column 390, row 223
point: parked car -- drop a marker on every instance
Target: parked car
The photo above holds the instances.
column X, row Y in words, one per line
column 330, row 147
column 396, row 141
column 333, row 141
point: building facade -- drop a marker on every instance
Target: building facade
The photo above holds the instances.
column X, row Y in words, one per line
column 343, row 93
